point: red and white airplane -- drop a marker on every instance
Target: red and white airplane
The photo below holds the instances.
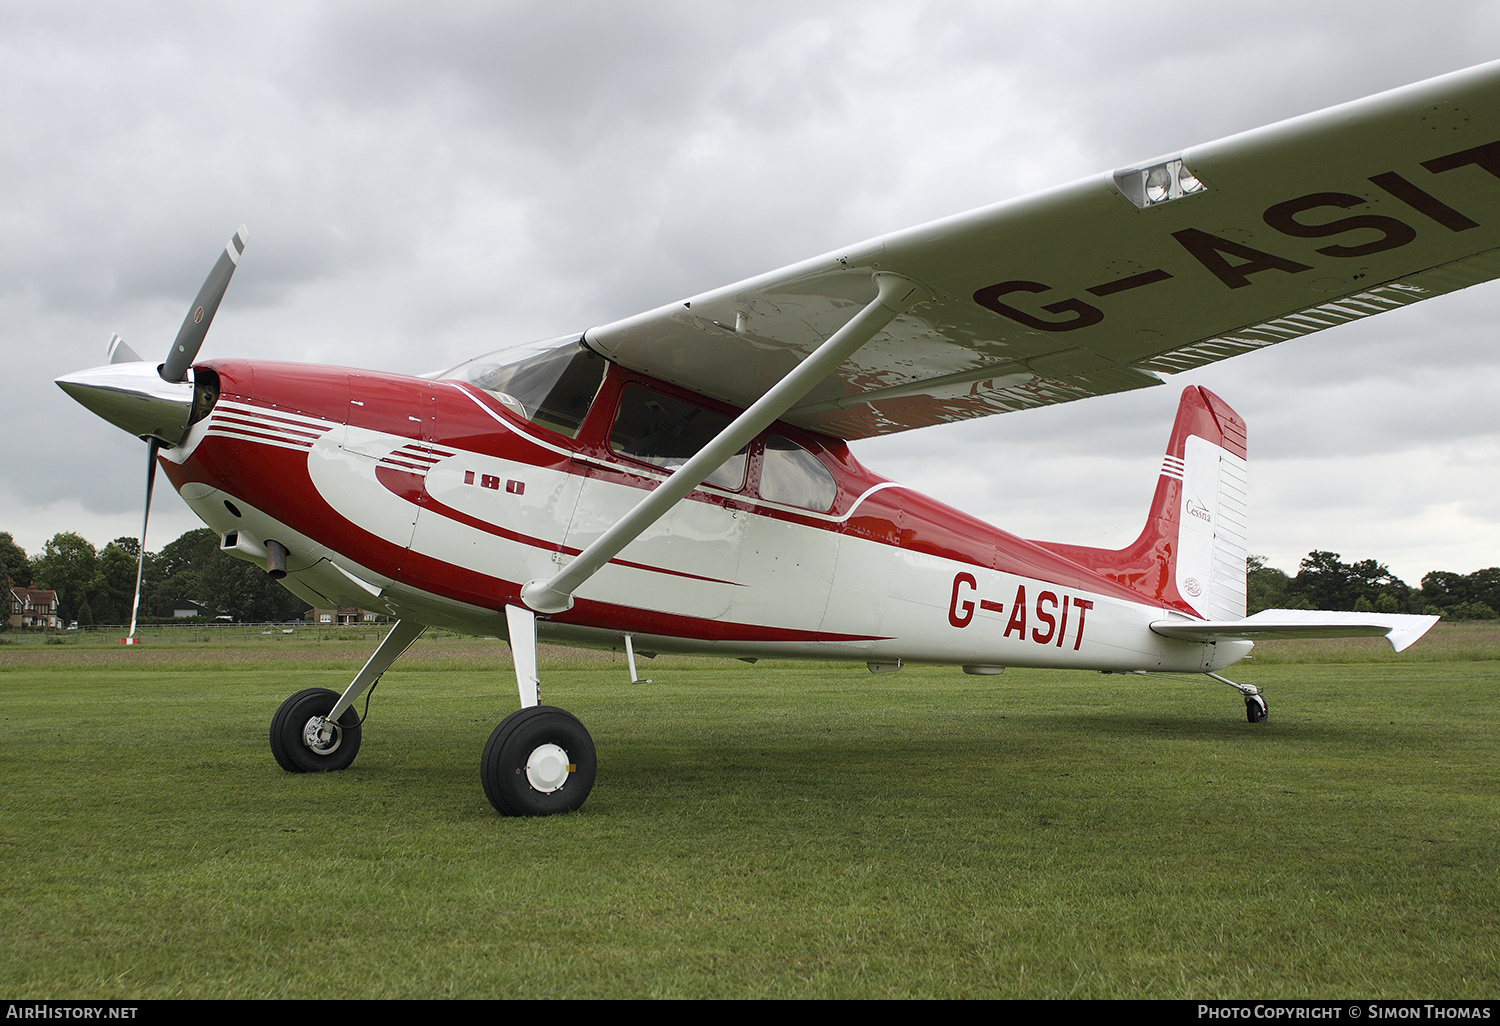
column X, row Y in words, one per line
column 680, row 480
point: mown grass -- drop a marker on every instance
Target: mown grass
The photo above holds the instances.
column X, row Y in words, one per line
column 787, row 830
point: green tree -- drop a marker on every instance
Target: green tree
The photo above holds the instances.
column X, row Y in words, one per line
column 1370, row 580
column 1443, row 589
column 14, row 563
column 114, row 584
column 1265, row 586
column 1485, row 586
column 1324, row 581
column 68, row 566
column 1462, row 596
column 177, row 572
column 1470, row 611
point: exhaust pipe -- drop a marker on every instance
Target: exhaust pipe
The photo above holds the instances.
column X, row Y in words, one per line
column 276, row 554
column 273, row 555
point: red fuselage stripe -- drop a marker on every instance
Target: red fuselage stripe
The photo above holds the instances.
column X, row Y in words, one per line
column 417, row 486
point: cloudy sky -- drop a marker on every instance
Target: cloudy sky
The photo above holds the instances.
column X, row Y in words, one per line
column 423, row 183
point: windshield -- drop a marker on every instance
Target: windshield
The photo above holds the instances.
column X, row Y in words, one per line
column 550, row 383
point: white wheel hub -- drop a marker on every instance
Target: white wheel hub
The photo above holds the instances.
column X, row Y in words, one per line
column 547, row 768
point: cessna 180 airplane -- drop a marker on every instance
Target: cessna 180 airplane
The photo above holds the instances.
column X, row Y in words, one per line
column 680, row 480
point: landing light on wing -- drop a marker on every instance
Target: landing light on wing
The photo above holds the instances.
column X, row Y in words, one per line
column 1159, row 183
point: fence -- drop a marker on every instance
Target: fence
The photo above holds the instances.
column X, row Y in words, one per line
column 218, row 629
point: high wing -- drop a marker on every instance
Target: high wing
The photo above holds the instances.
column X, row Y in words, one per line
column 1103, row 285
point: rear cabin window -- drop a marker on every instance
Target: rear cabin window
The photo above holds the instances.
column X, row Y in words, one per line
column 791, row 475
column 553, row 388
column 665, row 432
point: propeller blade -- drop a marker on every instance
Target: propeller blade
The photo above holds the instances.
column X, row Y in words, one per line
column 190, row 337
column 140, row 563
column 119, row 352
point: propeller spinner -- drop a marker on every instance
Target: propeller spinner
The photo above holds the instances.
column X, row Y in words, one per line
column 157, row 404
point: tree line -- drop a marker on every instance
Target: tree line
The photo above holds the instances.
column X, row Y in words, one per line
column 1324, row 581
column 95, row 586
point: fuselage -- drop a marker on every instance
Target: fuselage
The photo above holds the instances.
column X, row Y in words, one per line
column 437, row 500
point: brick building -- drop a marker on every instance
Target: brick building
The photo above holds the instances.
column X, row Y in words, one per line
column 33, row 607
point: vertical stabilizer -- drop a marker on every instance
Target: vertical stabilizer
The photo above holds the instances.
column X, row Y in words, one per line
column 1211, row 509
column 1191, row 554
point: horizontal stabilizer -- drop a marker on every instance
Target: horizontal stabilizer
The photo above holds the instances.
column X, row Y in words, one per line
column 1401, row 629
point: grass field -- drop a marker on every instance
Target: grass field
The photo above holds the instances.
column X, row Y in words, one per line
column 782, row 830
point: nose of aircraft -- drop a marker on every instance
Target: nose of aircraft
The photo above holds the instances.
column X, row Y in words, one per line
column 156, row 403
column 134, row 397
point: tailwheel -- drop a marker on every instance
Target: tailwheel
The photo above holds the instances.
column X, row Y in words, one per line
column 540, row 761
column 305, row 741
column 1255, row 709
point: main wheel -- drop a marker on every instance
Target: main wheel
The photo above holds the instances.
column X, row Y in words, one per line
column 1255, row 709
column 540, row 761
column 304, row 741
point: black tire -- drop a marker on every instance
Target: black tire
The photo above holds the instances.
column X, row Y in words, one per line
column 539, row 732
column 1255, row 709
column 289, row 745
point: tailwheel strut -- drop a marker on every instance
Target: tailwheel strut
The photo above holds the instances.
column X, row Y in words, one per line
column 1256, row 710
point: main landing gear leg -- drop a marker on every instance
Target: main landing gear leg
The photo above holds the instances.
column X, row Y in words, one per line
column 317, row 730
column 1255, row 703
column 540, row 760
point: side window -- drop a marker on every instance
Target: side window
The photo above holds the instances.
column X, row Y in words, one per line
column 791, row 475
column 665, row 432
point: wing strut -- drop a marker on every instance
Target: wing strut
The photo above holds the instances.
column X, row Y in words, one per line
column 896, row 294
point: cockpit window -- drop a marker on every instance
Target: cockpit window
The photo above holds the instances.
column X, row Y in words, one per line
column 791, row 475
column 665, row 432
column 551, row 384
